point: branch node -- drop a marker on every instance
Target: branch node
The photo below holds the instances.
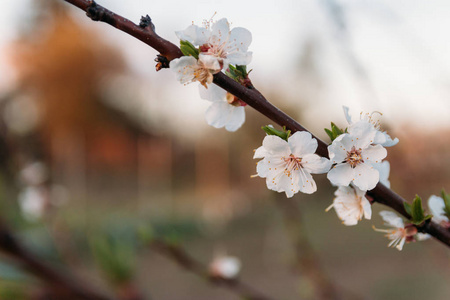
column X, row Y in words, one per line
column 146, row 21
column 162, row 62
column 98, row 13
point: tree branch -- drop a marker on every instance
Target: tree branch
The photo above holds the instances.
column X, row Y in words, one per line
column 251, row 96
column 61, row 281
column 184, row 260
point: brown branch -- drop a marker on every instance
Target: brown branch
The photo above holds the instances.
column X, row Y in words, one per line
column 58, row 280
column 184, row 260
column 306, row 261
column 251, row 96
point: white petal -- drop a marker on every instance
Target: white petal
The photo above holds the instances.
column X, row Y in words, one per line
column 184, row 68
column 212, row 93
column 276, row 145
column 367, row 207
column 389, row 141
column 347, row 115
column 236, row 117
column 210, row 62
column 436, row 205
column 315, row 164
column 239, row 58
column 363, row 133
column 217, row 114
column 240, row 38
column 220, row 30
column 366, row 176
column 262, row 168
column 384, row 169
column 374, row 153
column 306, row 182
column 194, row 34
column 341, row 174
column 260, row 153
column 302, row 143
column 337, row 151
column 392, row 219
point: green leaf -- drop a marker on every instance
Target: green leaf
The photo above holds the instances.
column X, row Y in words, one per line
column 330, row 133
column 446, row 198
column 417, row 213
column 188, row 49
column 407, row 207
column 285, row 134
column 238, row 73
column 334, row 132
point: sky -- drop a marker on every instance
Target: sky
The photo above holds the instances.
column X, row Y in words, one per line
column 389, row 56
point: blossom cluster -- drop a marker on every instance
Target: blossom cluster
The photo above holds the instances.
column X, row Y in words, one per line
column 211, row 49
column 287, row 162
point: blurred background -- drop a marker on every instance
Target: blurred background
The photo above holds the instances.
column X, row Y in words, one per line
column 98, row 149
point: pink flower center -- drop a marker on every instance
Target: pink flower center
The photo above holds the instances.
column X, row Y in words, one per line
column 292, row 164
column 354, row 157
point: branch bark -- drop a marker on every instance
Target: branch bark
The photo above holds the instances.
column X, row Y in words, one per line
column 251, row 96
column 184, row 260
column 67, row 286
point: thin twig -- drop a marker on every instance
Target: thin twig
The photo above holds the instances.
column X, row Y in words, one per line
column 56, row 279
column 184, row 260
column 252, row 97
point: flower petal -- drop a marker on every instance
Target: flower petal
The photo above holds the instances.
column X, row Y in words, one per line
column 363, row 133
column 302, row 143
column 262, row 168
column 315, row 164
column 276, row 145
column 209, row 62
column 436, row 205
column 194, row 34
column 384, row 169
column 337, row 151
column 392, row 219
column 347, row 115
column 306, row 182
column 212, row 93
column 217, row 114
column 366, row 176
column 236, row 117
column 240, row 58
column 374, row 154
column 240, row 38
column 184, row 67
column 341, row 174
column 220, row 30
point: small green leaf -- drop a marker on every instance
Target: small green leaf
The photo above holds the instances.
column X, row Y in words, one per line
column 417, row 213
column 446, row 198
column 285, row 134
column 407, row 207
column 330, row 133
column 188, row 49
column 334, row 132
column 238, row 73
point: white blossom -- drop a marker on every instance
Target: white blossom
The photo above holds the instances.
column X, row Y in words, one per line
column 351, row 205
column 437, row 205
column 189, row 69
column 225, row 266
column 216, row 40
column 33, row 202
column 384, row 170
column 355, row 156
column 225, row 110
column 398, row 234
column 381, row 137
column 288, row 165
